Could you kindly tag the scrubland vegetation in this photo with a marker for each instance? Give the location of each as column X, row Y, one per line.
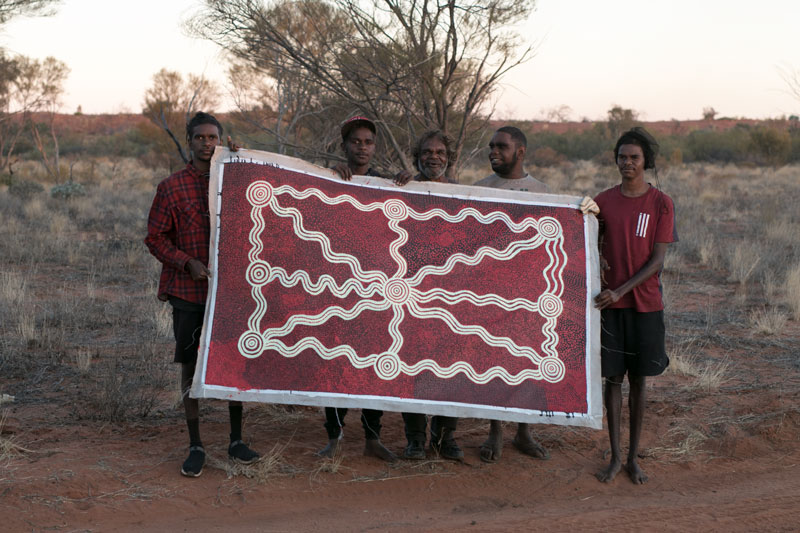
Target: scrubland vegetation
column 79, row 318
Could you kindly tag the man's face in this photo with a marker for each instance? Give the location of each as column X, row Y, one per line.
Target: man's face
column 630, row 161
column 359, row 147
column 504, row 154
column 204, row 138
column 433, row 159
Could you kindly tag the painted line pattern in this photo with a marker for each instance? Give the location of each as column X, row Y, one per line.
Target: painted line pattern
column 400, row 293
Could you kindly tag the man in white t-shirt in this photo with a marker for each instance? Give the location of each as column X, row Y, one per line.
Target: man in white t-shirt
column 506, row 155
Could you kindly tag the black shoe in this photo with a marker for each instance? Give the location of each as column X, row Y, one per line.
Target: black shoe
column 193, row 465
column 414, row 450
column 240, row 453
column 447, row 449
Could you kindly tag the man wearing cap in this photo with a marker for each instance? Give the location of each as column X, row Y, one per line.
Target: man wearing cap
column 507, row 150
column 358, row 145
column 637, row 221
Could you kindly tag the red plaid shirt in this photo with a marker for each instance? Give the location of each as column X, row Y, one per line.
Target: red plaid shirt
column 179, row 229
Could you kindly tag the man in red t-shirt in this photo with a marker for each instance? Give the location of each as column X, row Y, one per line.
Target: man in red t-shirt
column 637, row 221
column 178, row 233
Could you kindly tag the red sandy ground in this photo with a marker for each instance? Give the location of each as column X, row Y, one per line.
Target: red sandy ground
column 743, row 474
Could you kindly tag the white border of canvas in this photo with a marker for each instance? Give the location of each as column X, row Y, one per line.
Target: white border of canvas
column 592, row 418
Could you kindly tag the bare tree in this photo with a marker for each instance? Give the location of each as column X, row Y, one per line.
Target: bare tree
column 560, row 113
column 412, row 65
column 40, row 85
column 709, row 113
column 621, row 119
column 13, row 8
column 171, row 101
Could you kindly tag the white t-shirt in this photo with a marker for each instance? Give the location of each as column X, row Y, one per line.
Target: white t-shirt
column 526, row 183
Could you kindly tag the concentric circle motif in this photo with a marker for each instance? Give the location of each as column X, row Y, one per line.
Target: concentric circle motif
column 552, row 369
column 251, row 344
column 258, row 273
column 387, row 366
column 259, row 193
column 397, row 291
column 549, row 228
column 550, row 306
column 395, row 210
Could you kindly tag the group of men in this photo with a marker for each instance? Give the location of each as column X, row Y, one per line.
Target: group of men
column 636, row 223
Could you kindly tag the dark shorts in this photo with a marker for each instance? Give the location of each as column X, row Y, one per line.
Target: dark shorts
column 187, row 325
column 632, row 342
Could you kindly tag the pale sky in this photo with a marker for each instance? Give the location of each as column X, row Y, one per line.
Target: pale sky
column 663, row 59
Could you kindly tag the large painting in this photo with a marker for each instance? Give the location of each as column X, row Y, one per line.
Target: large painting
column 431, row 298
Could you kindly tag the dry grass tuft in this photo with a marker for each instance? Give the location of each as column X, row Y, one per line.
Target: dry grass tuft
column 706, row 375
column 328, row 465
column 271, row 465
column 793, row 291
column 9, row 449
column 742, row 263
column 688, row 444
column 768, row 321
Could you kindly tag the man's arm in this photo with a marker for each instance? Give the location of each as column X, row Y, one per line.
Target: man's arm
column 653, row 265
column 159, row 225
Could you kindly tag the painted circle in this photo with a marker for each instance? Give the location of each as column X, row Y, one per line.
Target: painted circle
column 549, row 228
column 552, row 369
column 259, row 193
column 550, row 306
column 397, row 291
column 395, row 209
column 251, row 344
column 258, row 273
column 387, row 366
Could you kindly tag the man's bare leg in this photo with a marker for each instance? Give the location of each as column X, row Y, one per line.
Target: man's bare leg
column 527, row 445
column 613, row 400
column 636, row 404
column 492, row 448
column 190, row 405
column 375, row 448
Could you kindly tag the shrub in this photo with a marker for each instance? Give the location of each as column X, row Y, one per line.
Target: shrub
column 24, row 188
column 70, row 189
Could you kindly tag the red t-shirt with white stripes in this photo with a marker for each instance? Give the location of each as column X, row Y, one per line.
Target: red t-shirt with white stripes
column 630, row 229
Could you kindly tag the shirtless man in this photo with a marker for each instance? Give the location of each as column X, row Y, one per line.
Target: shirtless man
column 507, row 150
column 637, row 221
column 358, row 145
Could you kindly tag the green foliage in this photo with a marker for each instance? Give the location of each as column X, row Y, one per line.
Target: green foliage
column 22, row 188
column 771, row 145
column 70, row 189
column 731, row 146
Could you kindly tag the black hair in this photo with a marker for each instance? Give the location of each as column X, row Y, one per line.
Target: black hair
column 641, row 138
column 516, row 134
column 201, row 118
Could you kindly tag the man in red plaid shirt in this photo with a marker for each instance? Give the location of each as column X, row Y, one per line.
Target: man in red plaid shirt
column 178, row 233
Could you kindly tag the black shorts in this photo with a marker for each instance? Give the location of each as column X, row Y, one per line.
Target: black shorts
column 187, row 325
column 632, row 342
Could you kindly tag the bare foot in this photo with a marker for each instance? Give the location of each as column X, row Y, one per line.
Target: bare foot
column 525, row 443
column 608, row 475
column 492, row 448
column 375, row 448
column 331, row 449
column 635, row 473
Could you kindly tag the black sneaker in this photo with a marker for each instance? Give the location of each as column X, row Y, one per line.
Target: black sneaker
column 414, row 450
column 447, row 449
column 240, row 453
column 193, row 465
